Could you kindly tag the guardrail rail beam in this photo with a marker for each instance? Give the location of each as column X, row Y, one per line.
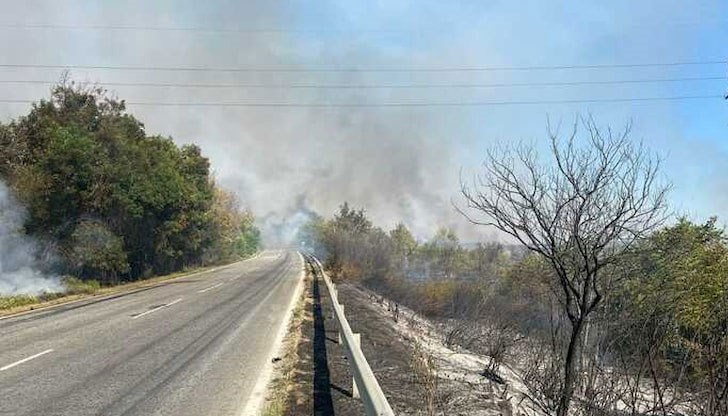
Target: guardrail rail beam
column 364, row 383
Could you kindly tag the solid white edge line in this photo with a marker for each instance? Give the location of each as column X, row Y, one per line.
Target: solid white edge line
column 24, row 360
column 209, row 288
column 156, row 309
column 257, row 396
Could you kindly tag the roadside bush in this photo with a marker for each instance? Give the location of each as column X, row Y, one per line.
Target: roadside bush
column 9, row 302
column 436, row 298
column 75, row 286
column 97, row 251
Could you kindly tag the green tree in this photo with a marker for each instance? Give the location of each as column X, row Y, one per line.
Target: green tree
column 445, row 249
column 403, row 240
column 248, row 240
column 673, row 314
column 79, row 156
column 403, row 243
column 311, row 235
column 96, row 251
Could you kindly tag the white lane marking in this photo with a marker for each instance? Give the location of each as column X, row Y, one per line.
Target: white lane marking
column 209, row 288
column 173, row 302
column 156, row 309
column 24, row 360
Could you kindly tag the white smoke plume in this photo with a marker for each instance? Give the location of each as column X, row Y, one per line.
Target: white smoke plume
column 19, row 254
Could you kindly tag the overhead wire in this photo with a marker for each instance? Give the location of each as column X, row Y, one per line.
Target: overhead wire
column 54, row 26
column 378, row 86
column 305, row 69
column 405, row 104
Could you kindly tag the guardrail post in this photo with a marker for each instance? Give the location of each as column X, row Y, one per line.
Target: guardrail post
column 341, row 339
column 354, row 387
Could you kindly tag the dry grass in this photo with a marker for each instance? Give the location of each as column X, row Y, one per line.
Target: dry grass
column 283, row 384
column 424, row 371
column 18, row 301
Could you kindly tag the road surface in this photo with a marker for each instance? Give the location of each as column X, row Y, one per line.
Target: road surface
column 193, row 346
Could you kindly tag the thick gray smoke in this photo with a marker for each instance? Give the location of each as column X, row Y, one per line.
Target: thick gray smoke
column 397, row 170
column 19, row 254
column 400, row 164
column 284, row 163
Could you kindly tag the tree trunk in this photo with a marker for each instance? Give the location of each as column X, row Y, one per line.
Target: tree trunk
column 571, row 367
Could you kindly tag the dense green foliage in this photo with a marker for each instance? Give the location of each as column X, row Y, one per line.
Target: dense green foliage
column 117, row 203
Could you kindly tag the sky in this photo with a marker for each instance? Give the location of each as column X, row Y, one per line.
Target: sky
column 399, row 163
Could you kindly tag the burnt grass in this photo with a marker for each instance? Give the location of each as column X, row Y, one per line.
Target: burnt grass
column 323, row 379
column 389, row 354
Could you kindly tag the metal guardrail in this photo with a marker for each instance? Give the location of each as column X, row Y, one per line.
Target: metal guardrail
column 365, row 385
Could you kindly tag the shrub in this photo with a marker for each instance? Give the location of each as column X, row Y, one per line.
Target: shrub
column 76, row 286
column 9, row 302
column 98, row 252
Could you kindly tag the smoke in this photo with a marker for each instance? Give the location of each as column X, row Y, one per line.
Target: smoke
column 283, row 229
column 390, row 167
column 399, row 164
column 19, row 254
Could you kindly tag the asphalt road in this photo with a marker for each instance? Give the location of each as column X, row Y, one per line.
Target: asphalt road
column 193, row 346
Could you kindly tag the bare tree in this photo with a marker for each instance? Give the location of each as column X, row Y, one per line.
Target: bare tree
column 580, row 211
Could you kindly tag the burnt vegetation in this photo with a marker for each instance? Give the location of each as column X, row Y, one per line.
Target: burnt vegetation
column 608, row 306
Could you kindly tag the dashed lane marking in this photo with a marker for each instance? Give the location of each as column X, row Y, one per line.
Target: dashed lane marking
column 25, row 360
column 156, row 309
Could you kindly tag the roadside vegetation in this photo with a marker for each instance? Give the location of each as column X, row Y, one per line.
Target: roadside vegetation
column 291, row 387
column 608, row 306
column 76, row 289
column 109, row 203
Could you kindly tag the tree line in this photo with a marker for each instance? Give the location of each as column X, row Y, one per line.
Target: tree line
column 610, row 307
column 112, row 202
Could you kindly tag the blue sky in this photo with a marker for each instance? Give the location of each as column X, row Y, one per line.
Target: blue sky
column 401, row 163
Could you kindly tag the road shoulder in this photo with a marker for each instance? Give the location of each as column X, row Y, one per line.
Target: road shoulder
column 288, row 389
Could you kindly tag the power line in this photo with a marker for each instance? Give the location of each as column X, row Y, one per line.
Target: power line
column 405, row 104
column 187, row 29
column 381, row 86
column 121, row 27
column 303, row 69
